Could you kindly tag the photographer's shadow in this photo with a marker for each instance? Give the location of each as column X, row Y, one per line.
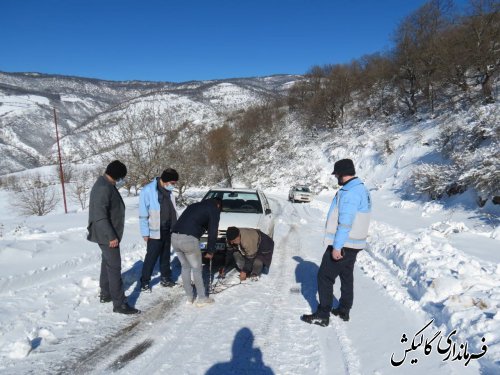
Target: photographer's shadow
column 245, row 359
column 306, row 274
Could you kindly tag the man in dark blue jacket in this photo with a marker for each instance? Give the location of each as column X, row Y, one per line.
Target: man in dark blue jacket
column 196, row 219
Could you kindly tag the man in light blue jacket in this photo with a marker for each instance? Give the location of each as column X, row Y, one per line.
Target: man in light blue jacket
column 157, row 216
column 346, row 232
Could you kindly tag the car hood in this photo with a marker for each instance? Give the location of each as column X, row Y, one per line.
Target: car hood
column 240, row 220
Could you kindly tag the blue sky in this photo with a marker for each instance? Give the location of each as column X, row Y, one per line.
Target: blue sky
column 164, row 40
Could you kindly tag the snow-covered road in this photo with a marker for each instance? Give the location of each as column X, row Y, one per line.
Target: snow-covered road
column 52, row 322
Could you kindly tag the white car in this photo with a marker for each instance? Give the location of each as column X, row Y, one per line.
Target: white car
column 242, row 208
column 300, row 193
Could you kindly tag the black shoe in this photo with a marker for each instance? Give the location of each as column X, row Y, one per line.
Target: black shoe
column 124, row 308
column 166, row 282
column 342, row 314
column 104, row 299
column 315, row 319
column 145, row 287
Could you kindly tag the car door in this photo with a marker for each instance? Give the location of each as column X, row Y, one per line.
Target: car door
column 267, row 216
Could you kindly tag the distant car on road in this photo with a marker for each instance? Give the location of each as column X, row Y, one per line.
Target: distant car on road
column 242, row 208
column 300, row 193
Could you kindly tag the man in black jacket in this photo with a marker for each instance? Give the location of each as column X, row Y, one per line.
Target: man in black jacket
column 106, row 224
column 196, row 219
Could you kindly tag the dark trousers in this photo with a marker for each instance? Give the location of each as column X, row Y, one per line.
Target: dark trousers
column 328, row 272
column 110, row 280
column 157, row 249
column 249, row 265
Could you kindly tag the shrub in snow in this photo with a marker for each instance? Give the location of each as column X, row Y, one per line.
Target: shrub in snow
column 473, row 148
column 432, row 179
column 11, row 182
column 68, row 172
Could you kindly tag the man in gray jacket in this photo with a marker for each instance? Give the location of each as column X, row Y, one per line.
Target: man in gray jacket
column 106, row 224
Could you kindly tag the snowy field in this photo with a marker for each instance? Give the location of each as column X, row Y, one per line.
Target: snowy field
column 427, row 296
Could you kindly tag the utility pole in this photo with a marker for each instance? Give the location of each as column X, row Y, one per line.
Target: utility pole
column 61, row 174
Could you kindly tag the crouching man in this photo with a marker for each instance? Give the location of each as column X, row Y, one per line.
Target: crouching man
column 251, row 250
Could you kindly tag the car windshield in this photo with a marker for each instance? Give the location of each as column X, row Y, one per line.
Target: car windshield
column 305, row 189
column 236, row 201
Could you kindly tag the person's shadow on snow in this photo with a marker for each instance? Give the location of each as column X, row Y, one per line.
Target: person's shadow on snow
column 306, row 274
column 133, row 275
column 246, row 359
column 129, row 277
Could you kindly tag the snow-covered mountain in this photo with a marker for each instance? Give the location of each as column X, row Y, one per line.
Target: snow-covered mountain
column 28, row 100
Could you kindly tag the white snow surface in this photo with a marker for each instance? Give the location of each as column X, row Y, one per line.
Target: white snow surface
column 21, row 104
column 412, row 272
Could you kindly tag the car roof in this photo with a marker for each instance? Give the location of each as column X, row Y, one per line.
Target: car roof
column 239, row 190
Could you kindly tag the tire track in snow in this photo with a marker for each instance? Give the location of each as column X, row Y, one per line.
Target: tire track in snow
column 351, row 361
column 324, row 343
column 287, row 244
column 112, row 348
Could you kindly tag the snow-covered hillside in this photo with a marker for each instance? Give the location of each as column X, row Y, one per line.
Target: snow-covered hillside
column 27, row 101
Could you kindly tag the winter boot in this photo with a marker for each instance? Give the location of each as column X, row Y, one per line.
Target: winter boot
column 342, row 314
column 125, row 308
column 254, row 277
column 200, row 302
column 315, row 319
column 166, row 282
column 104, row 299
column 145, row 287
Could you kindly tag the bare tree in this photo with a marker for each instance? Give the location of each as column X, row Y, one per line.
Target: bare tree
column 80, row 189
column 376, row 81
column 68, row 170
column 221, row 153
column 327, row 106
column 417, row 51
column 36, row 197
column 140, row 139
column 187, row 155
column 482, row 27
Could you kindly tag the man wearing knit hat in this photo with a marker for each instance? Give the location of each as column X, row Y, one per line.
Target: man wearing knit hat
column 106, row 224
column 346, row 232
column 157, row 217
